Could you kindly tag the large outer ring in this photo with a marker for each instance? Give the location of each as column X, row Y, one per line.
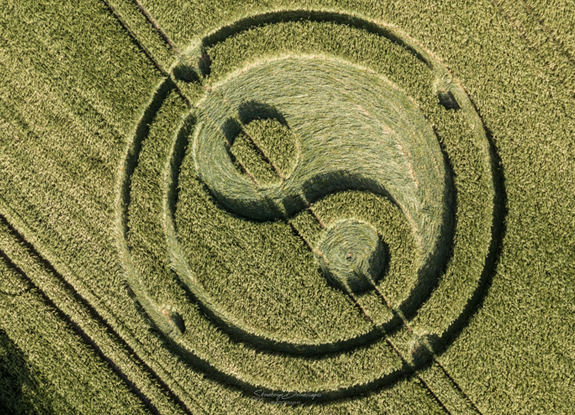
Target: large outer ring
column 154, row 311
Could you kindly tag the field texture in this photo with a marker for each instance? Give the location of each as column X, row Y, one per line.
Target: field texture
column 287, row 207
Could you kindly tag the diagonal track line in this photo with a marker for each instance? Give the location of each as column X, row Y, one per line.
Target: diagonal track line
column 248, row 135
column 134, row 38
column 265, row 156
column 535, row 16
column 143, row 48
column 229, row 145
column 522, row 33
column 71, row 323
column 80, row 332
column 400, row 355
column 154, row 23
column 435, row 397
column 435, row 360
column 297, row 232
column 387, row 340
column 113, row 335
column 456, row 385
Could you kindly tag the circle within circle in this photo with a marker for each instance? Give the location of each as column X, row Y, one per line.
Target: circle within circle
column 352, row 255
column 363, row 130
column 354, row 131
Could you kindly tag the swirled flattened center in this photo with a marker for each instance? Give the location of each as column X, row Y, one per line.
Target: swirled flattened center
column 351, row 255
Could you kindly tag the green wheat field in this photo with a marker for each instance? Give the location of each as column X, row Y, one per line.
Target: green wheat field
column 287, row 207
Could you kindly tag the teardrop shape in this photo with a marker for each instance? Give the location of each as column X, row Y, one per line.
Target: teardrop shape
column 355, row 130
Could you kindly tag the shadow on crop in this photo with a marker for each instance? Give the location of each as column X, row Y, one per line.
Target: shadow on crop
column 19, row 393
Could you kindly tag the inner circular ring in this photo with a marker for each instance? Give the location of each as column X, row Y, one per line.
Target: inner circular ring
column 385, row 132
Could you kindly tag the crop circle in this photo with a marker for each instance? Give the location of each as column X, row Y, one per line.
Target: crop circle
column 328, row 156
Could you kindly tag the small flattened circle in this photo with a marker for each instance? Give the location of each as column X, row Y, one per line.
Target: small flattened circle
column 352, row 255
